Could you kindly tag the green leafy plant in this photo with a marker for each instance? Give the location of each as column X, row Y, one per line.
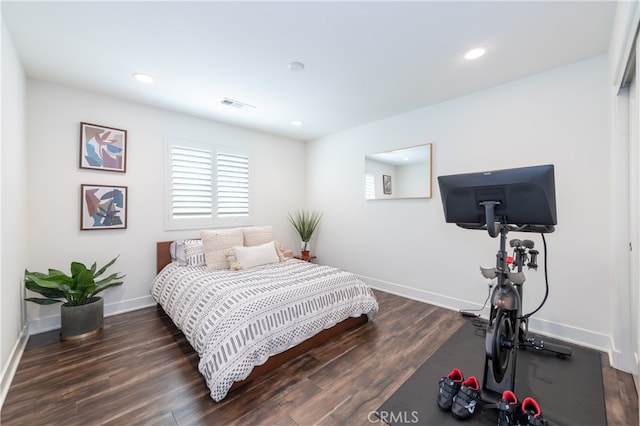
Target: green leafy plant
column 77, row 289
column 305, row 223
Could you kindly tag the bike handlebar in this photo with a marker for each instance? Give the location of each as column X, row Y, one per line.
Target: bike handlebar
column 538, row 229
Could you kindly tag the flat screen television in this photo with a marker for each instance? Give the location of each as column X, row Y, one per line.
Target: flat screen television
column 519, row 196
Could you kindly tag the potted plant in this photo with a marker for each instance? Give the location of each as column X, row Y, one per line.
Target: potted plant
column 305, row 223
column 81, row 312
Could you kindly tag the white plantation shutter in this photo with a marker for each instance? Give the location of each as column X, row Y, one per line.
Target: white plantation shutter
column 208, row 186
column 191, row 178
column 232, row 184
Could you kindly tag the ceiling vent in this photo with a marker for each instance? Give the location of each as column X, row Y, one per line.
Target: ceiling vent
column 236, row 104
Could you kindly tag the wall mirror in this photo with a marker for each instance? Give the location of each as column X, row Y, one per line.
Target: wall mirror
column 398, row 174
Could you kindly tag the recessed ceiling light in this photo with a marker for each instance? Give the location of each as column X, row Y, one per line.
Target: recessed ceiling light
column 474, row 53
column 297, row 123
column 143, row 78
column 296, row 66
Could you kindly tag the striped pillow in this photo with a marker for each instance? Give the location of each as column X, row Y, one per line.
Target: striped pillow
column 187, row 252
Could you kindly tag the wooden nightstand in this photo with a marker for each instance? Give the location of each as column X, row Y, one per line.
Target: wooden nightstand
column 308, row 260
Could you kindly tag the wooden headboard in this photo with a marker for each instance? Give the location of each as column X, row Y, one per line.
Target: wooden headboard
column 163, row 255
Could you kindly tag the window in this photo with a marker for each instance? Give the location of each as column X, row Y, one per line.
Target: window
column 191, row 195
column 369, row 187
column 208, row 186
column 232, row 185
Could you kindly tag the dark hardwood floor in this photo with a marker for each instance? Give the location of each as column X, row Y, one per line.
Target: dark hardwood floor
column 140, row 371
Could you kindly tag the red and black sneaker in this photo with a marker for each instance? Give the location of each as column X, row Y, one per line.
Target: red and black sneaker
column 508, row 406
column 448, row 388
column 531, row 413
column 466, row 400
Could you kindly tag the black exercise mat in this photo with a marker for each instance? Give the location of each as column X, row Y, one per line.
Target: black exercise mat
column 569, row 391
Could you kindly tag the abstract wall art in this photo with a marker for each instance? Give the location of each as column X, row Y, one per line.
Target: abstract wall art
column 103, row 207
column 103, row 148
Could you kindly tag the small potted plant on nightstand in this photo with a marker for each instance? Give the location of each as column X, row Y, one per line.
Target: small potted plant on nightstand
column 305, row 223
column 81, row 312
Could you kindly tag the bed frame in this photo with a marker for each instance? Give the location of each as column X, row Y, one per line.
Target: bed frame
column 164, row 258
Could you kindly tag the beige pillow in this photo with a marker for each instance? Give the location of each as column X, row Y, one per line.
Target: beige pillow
column 217, row 244
column 257, row 235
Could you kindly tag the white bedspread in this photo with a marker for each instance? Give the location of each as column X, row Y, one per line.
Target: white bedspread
column 235, row 320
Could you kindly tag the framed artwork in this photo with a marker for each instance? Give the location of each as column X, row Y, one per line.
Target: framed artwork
column 103, row 148
column 386, row 184
column 103, row 207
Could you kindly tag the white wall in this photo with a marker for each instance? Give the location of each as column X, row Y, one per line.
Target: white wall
column 54, row 116
column 13, row 222
column 404, row 246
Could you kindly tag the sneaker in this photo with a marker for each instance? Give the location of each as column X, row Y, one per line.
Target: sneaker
column 465, row 401
column 531, row 414
column 508, row 406
column 448, row 388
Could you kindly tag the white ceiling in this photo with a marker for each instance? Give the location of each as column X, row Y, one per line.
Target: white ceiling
column 364, row 61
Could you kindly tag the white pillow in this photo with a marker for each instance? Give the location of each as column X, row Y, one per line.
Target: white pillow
column 217, row 244
column 248, row 257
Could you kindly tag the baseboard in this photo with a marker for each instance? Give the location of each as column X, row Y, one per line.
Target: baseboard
column 419, row 295
column 569, row 334
column 128, row 305
column 12, row 364
column 40, row 325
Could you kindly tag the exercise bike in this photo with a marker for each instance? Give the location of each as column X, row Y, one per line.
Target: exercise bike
column 500, row 201
column 507, row 329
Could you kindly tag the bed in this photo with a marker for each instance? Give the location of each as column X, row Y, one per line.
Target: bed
column 245, row 322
